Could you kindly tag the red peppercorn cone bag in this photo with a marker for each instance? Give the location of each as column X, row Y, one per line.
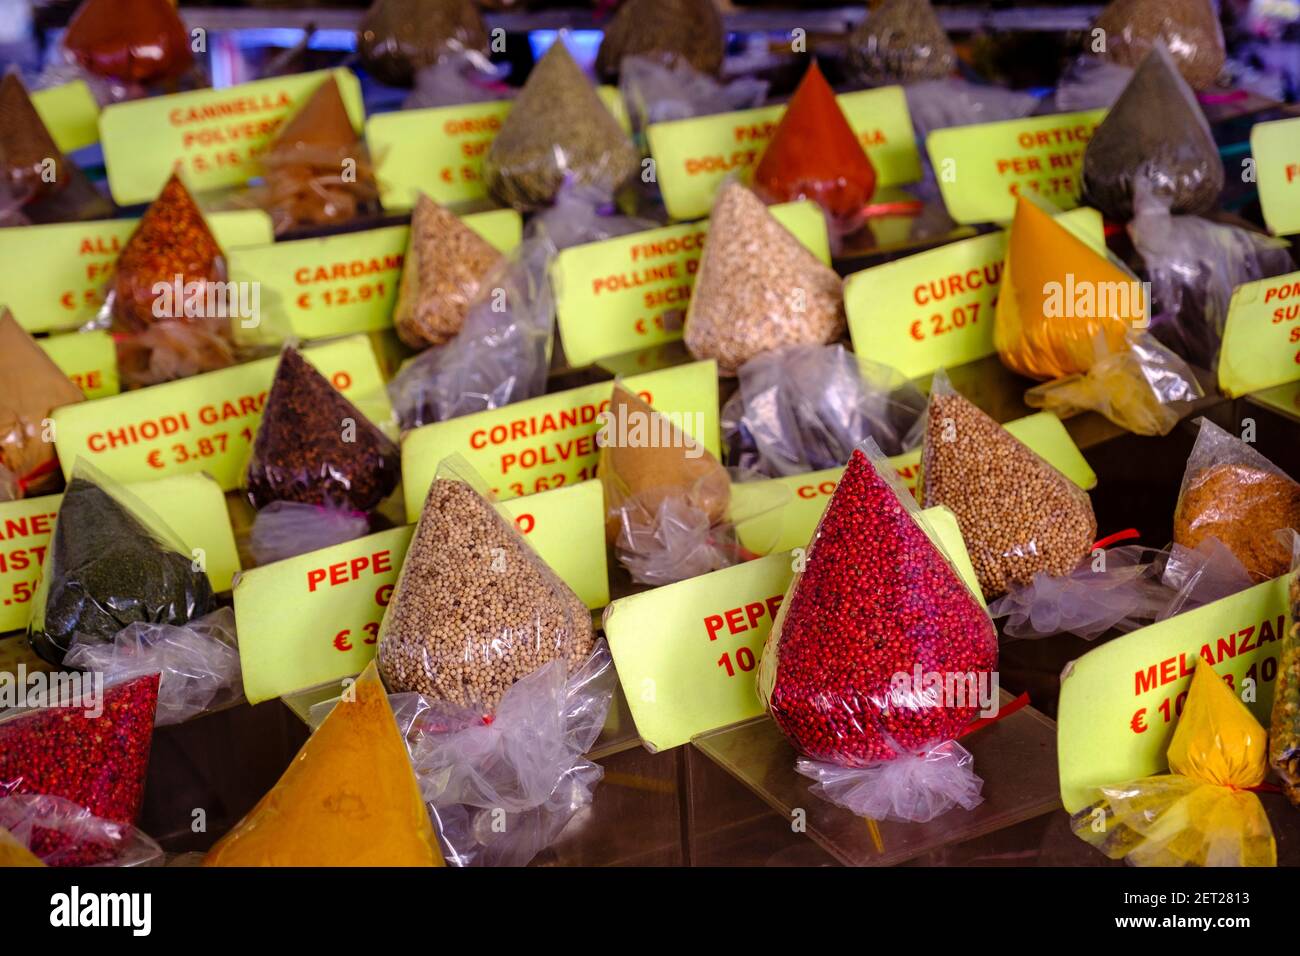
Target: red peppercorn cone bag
column 132, row 41
column 814, row 154
column 875, row 618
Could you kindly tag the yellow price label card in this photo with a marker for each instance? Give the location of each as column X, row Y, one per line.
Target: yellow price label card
column 76, row 262
column 792, row 524
column 566, row 527
column 206, row 422
column 1120, row 703
column 935, row 309
column 212, row 136
column 631, row 292
column 88, row 358
column 1261, row 339
column 193, row 506
column 550, row 441
column 983, row 168
column 71, row 114
column 1275, row 147
column 344, row 283
column 687, row 653
column 693, row 156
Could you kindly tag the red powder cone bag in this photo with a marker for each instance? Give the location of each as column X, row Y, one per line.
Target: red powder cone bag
column 815, row 155
column 135, row 41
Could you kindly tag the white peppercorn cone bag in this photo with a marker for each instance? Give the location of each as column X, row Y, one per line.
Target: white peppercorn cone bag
column 880, row 654
column 474, row 609
column 1018, row 514
column 758, row 288
column 500, row 792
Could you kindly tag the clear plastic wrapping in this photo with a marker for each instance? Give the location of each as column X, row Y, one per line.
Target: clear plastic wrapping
column 397, row 38
column 1284, row 727
column 657, row 92
column 668, row 31
column 901, row 41
column 61, row 833
column 457, row 78
column 283, row 529
column 1189, row 28
column 474, row 609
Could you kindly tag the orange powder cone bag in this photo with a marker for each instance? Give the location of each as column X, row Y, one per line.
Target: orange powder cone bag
column 350, row 797
column 815, row 155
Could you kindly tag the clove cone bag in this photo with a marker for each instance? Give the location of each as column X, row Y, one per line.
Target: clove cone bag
column 901, row 41
column 443, row 273
column 397, row 38
column 1018, row 515
column 1189, row 28
column 475, row 609
column 350, row 797
column 877, row 600
column 667, row 31
column 758, row 288
column 814, row 154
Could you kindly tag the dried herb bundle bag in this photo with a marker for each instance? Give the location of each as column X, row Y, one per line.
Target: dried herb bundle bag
column 758, row 288
column 475, row 609
column 397, row 38
column 1202, row 812
column 557, row 128
column 901, row 41
column 1018, row 514
column 814, row 154
column 111, row 563
column 132, row 41
column 1189, row 28
column 94, row 753
column 314, row 447
column 1157, row 132
column 31, row 386
column 877, row 599
column 1233, row 493
column 668, row 31
column 350, row 797
column 442, row 275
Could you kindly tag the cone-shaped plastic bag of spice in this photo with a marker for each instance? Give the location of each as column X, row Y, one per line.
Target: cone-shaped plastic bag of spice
column 1201, row 813
column 1189, row 28
column 399, row 37
column 1157, row 132
column 1284, row 729
column 350, row 797
column 758, row 288
column 814, row 154
column 1233, row 493
column 443, row 272
column 91, row 749
column 132, row 41
column 503, row 790
column 876, row 607
column 112, row 562
column 669, row 31
column 1018, row 514
column 475, row 609
column 806, row 407
column 31, row 386
column 197, row 663
column 557, row 128
column 66, row 834
column 901, row 41
column 47, row 186
column 318, row 171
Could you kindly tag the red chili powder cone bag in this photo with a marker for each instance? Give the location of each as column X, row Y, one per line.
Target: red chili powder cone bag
column 876, row 606
column 814, row 154
column 134, row 41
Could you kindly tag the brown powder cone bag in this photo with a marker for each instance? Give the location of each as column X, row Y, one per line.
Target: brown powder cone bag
column 646, row 460
column 1189, row 28
column 558, row 127
column 758, row 288
column 668, row 31
column 31, row 386
column 445, row 266
column 475, row 609
column 1156, row 130
column 350, row 797
column 1018, row 514
column 132, row 41
column 398, row 38
column 901, row 41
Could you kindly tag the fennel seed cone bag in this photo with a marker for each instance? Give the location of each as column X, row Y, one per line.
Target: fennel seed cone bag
column 558, row 128
column 350, row 797
column 667, row 31
column 758, row 288
column 1189, row 28
column 475, row 609
column 1018, row 515
column 442, row 275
